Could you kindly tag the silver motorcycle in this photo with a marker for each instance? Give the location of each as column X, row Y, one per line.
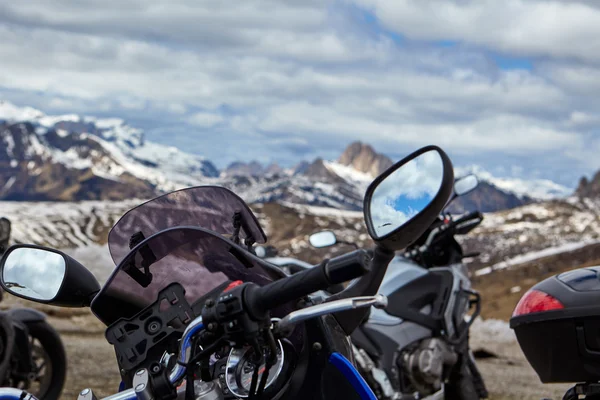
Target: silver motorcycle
column 418, row 346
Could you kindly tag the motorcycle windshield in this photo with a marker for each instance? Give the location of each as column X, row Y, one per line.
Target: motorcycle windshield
column 203, row 262
column 210, row 207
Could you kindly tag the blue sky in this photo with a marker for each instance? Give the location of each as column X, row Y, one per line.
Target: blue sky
column 512, row 86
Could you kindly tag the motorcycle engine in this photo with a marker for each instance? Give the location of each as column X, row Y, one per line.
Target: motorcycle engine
column 425, row 365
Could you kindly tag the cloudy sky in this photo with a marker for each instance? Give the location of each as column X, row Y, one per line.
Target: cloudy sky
column 512, row 85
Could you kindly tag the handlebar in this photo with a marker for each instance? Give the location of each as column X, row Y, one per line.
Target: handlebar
column 197, row 325
column 336, row 270
column 450, row 227
column 460, row 226
column 469, row 216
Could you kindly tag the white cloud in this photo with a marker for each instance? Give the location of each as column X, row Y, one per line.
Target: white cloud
column 524, row 27
column 205, row 119
column 297, row 74
column 176, row 108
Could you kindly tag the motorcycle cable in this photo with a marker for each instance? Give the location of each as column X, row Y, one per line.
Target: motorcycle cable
column 189, row 375
column 207, row 351
column 271, row 360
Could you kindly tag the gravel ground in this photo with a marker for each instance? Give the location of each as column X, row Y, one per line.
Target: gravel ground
column 507, row 374
column 91, row 360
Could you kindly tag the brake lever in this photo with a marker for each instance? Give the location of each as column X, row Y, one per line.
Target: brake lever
column 287, row 322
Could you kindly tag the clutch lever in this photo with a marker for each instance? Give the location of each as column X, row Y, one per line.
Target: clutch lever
column 293, row 318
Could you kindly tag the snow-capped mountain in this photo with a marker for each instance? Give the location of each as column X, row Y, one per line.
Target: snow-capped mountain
column 70, row 157
column 531, row 189
column 84, row 148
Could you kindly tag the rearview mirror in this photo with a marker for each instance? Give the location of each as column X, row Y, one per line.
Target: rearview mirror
column 265, row 251
column 465, row 184
column 403, row 201
column 47, row 276
column 322, row 239
column 260, row 251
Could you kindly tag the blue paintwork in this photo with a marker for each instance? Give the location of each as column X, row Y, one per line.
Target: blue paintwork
column 348, row 370
column 14, row 394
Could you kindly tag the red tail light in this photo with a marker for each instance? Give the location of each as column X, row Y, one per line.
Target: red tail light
column 535, row 301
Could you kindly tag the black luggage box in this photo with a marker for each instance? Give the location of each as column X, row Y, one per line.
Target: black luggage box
column 560, row 333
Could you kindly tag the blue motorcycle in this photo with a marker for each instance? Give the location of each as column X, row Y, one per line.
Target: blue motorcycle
column 193, row 314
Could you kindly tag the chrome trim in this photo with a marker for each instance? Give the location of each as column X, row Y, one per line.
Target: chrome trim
column 128, row 394
column 87, row 394
column 142, row 385
column 232, row 371
column 378, row 301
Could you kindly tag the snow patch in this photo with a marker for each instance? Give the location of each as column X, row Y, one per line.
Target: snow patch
column 348, row 173
column 10, row 112
column 324, row 211
column 49, row 121
column 534, row 255
column 537, row 189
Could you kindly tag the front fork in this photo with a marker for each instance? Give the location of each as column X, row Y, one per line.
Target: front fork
column 462, row 342
column 25, row 364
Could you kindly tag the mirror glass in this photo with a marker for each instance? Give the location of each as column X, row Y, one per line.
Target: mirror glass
column 465, row 184
column 322, row 239
column 405, row 192
column 260, row 251
column 33, row 273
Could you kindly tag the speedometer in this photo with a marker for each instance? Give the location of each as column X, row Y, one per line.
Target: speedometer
column 240, row 368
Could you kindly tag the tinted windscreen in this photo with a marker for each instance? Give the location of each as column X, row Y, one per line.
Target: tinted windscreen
column 201, row 261
column 210, row 207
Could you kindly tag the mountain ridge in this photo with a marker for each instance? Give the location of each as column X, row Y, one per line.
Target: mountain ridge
column 107, row 153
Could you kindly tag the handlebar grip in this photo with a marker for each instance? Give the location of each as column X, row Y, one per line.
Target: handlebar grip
column 337, row 270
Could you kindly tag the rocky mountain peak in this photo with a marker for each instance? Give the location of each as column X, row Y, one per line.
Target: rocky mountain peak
column 362, row 157
column 589, row 188
column 318, row 170
column 274, row 169
column 240, row 168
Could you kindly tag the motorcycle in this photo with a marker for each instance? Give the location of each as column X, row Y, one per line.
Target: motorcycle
column 417, row 348
column 193, row 314
column 556, row 323
column 32, row 356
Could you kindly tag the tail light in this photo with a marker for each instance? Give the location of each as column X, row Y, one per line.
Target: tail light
column 535, row 301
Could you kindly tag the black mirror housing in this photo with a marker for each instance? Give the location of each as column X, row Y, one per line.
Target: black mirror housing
column 410, row 231
column 79, row 285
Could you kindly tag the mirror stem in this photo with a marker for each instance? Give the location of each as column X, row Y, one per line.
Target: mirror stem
column 91, row 297
column 366, row 285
